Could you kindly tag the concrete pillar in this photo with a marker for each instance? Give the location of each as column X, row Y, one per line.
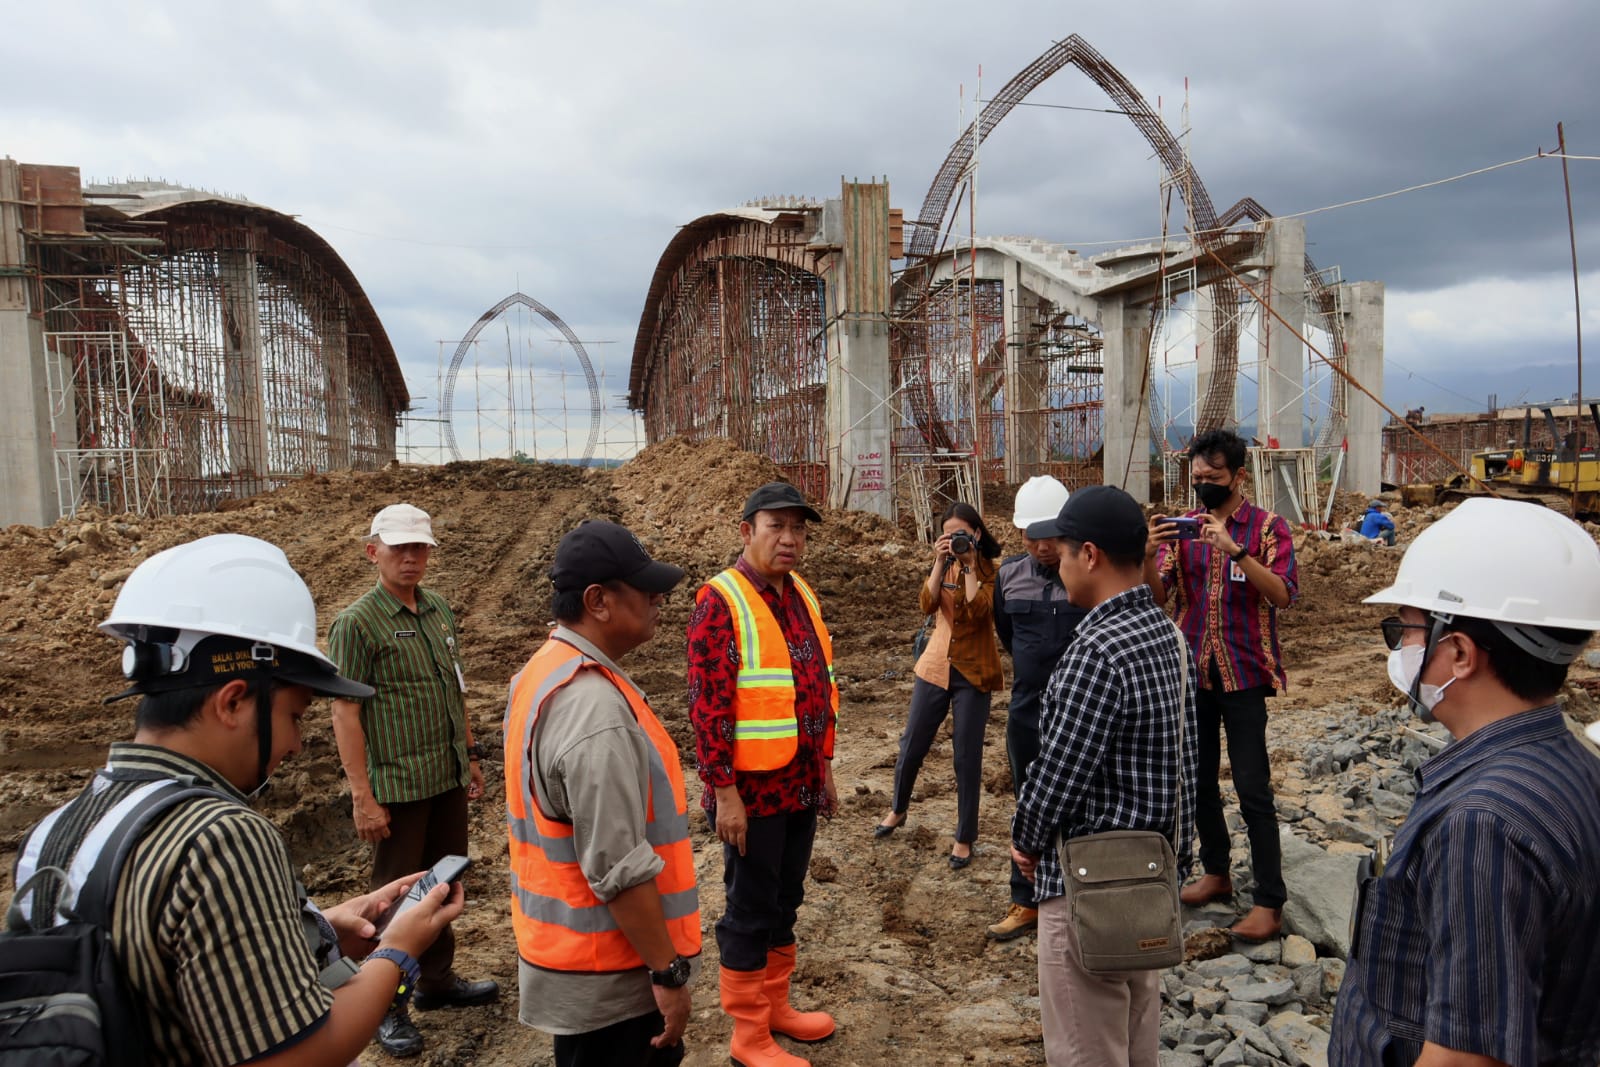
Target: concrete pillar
column 241, row 333
column 1280, row 400
column 27, row 457
column 1363, row 337
column 1125, row 332
column 857, row 417
column 1025, row 439
column 336, row 361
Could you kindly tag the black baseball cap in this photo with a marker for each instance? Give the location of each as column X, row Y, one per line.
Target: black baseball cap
column 598, row 551
column 1101, row 514
column 776, row 495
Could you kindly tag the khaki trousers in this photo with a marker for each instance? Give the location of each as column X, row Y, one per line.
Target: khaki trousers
column 1092, row 1020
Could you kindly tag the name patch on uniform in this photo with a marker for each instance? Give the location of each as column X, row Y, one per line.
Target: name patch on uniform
column 405, row 633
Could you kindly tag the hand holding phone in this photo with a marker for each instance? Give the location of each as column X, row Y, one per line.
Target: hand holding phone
column 449, row 869
column 1188, row 529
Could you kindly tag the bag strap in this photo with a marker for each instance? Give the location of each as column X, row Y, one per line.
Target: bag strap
column 94, row 900
column 1183, row 716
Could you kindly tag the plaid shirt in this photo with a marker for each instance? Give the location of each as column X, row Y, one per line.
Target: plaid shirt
column 1108, row 757
column 1480, row 934
column 1227, row 620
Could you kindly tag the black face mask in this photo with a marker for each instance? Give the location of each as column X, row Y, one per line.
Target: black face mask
column 1213, row 496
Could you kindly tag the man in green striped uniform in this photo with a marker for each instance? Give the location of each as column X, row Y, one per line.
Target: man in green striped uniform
column 408, row 750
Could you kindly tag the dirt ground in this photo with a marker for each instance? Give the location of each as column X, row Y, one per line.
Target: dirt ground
column 891, row 940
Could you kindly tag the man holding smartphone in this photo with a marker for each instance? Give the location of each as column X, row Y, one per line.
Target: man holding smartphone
column 1229, row 577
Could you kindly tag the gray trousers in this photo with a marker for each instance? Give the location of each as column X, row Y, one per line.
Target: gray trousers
column 929, row 706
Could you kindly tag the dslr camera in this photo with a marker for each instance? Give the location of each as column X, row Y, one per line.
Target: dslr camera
column 961, row 542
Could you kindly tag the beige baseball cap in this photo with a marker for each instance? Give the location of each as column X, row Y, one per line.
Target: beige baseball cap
column 402, row 524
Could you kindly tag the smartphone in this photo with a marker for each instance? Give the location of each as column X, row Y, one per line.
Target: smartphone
column 449, row 869
column 1188, row 529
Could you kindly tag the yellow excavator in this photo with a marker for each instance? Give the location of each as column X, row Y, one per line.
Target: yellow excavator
column 1564, row 477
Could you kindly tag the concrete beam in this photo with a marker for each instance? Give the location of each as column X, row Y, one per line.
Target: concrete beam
column 1125, row 331
column 247, row 416
column 1281, row 398
column 1363, row 335
column 28, row 491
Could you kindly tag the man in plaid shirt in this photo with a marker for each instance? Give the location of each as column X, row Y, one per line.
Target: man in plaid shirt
column 1109, row 759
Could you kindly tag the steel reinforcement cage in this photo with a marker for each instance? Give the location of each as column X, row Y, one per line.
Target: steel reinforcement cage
column 202, row 354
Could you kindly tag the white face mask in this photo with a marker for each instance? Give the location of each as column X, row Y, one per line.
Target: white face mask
column 1405, row 663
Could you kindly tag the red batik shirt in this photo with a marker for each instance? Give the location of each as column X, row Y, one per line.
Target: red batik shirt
column 713, row 668
column 1227, row 620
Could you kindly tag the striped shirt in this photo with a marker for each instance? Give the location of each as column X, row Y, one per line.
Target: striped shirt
column 1228, row 621
column 206, row 923
column 1108, row 755
column 1480, row 933
column 416, row 724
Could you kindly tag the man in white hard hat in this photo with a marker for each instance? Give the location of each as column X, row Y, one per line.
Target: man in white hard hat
column 226, row 959
column 407, row 750
column 1035, row 622
column 1475, row 944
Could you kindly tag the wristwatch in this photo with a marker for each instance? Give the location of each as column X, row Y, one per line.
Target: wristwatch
column 410, row 971
column 476, row 751
column 1241, row 554
column 674, row 976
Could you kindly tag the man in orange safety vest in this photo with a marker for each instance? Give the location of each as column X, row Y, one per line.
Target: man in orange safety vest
column 603, row 895
column 764, row 704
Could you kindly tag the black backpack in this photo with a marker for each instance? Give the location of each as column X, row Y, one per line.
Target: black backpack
column 63, row 999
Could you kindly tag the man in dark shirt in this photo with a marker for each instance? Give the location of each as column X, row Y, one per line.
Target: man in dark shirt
column 1035, row 622
column 1475, row 944
column 763, row 703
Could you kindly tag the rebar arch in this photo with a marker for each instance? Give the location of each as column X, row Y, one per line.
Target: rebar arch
column 447, row 402
column 1075, row 51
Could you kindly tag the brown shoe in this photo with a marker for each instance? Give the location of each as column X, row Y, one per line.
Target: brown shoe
column 1259, row 924
column 1210, row 887
column 1018, row 921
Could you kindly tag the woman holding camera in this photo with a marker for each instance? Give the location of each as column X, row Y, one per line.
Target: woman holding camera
column 959, row 668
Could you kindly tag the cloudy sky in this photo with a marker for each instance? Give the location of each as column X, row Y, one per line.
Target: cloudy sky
column 455, row 153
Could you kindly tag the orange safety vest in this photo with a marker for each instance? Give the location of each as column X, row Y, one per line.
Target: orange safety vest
column 559, row 922
column 766, row 734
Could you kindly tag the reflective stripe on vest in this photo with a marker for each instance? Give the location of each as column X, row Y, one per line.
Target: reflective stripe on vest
column 766, row 733
column 560, row 923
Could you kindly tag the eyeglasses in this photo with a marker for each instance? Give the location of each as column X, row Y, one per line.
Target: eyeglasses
column 1394, row 629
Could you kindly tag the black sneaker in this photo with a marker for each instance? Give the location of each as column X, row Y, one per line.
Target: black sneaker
column 456, row 993
column 398, row 1036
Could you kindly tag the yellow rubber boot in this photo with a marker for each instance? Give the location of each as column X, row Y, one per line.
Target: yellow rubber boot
column 800, row 1025
column 746, row 1004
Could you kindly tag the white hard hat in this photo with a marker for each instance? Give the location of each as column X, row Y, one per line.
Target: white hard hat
column 1509, row 562
column 227, row 585
column 1039, row 499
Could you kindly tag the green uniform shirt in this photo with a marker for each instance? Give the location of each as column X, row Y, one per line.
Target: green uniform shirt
column 416, row 724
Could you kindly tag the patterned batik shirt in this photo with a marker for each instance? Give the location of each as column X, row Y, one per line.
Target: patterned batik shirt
column 713, row 670
column 1230, row 624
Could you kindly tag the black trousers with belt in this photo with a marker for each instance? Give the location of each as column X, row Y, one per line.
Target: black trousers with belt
column 421, row 833
column 929, row 706
column 1243, row 715
column 764, row 888
column 1022, row 748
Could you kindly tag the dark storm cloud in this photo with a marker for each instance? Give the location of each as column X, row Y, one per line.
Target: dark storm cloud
column 452, row 155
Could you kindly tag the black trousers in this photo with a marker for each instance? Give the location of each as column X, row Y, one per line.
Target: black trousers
column 1243, row 715
column 929, row 706
column 421, row 833
column 764, row 888
column 624, row 1044
column 1022, row 748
